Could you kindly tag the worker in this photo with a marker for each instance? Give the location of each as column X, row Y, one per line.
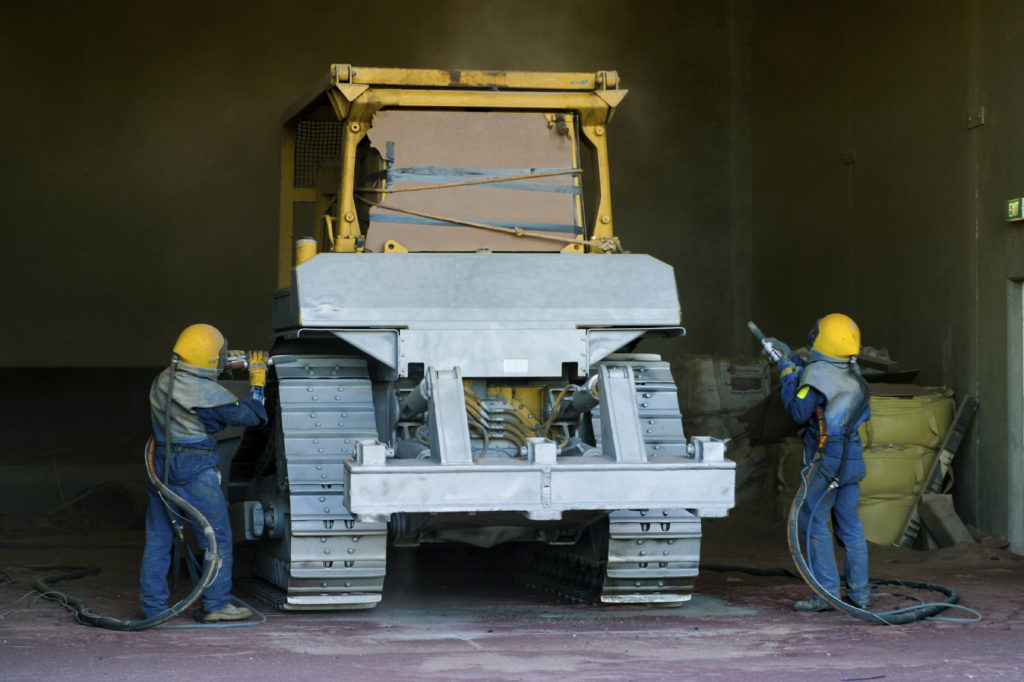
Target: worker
column 828, row 394
column 199, row 408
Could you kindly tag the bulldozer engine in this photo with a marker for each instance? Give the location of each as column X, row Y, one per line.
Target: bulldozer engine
column 454, row 352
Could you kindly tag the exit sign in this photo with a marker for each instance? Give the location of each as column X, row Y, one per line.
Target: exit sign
column 1013, row 210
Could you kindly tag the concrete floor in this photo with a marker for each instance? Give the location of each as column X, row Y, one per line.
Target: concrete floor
column 444, row 617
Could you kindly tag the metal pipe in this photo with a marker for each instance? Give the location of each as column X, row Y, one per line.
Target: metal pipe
column 587, row 397
column 415, row 401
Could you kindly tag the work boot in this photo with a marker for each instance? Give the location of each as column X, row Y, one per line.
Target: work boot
column 228, row 612
column 811, row 605
column 863, row 604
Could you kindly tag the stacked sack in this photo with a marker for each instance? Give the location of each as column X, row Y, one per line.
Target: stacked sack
column 714, row 392
column 782, row 477
column 907, row 426
column 900, row 441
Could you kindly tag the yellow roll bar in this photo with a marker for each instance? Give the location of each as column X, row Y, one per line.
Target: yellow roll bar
column 354, row 94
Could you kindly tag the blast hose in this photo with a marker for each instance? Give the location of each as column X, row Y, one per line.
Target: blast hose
column 211, row 559
column 898, row 617
column 211, row 565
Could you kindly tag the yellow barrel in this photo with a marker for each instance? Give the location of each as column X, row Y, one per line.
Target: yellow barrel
column 305, row 248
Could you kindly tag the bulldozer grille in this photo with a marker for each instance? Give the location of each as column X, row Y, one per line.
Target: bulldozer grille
column 316, row 142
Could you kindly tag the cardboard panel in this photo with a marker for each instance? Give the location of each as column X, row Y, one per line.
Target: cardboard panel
column 425, row 148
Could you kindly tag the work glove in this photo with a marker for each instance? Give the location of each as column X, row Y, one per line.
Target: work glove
column 783, row 362
column 258, row 367
column 780, row 346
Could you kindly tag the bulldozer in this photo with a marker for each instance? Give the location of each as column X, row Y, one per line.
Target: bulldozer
column 455, row 348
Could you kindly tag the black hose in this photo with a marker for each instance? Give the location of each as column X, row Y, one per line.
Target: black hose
column 793, row 536
column 43, row 584
column 211, row 565
column 899, row 617
column 211, row 559
column 879, row 582
column 888, row 617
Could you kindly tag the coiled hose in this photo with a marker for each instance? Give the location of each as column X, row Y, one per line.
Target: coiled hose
column 898, row 617
column 211, row 565
column 211, row 559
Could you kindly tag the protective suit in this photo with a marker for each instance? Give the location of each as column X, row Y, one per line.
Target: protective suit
column 828, row 394
column 199, row 408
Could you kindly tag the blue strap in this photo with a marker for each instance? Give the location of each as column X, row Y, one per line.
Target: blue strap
column 417, row 220
column 441, row 175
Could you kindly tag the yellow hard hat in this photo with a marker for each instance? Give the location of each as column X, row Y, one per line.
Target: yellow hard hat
column 201, row 345
column 836, row 335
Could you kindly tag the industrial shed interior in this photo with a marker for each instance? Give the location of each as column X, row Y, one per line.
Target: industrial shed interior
column 787, row 159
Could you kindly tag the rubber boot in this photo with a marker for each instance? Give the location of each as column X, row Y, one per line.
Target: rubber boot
column 228, row 612
column 811, row 605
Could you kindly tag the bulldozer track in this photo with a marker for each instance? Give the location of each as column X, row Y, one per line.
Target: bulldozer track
column 636, row 556
column 323, row 558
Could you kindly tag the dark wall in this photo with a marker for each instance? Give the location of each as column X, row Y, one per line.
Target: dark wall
column 83, row 416
column 139, row 158
column 139, row 150
column 789, row 158
column 875, row 195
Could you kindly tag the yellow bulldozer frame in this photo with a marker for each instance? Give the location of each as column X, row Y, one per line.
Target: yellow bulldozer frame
column 352, row 95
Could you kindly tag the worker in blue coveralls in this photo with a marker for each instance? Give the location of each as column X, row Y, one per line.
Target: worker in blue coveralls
column 828, row 394
column 199, row 408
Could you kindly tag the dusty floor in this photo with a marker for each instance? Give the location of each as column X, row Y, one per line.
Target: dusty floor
column 448, row 619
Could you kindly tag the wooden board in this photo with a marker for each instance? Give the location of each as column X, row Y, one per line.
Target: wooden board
column 940, row 467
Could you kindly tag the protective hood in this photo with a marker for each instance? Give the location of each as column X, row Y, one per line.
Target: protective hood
column 839, row 381
column 194, row 387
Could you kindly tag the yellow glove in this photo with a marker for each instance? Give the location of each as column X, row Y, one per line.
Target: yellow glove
column 258, row 368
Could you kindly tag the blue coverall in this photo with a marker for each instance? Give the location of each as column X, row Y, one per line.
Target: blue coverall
column 193, row 476
column 820, row 504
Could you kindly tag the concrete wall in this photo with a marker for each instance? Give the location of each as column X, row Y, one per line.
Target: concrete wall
column 874, row 195
column 140, row 150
